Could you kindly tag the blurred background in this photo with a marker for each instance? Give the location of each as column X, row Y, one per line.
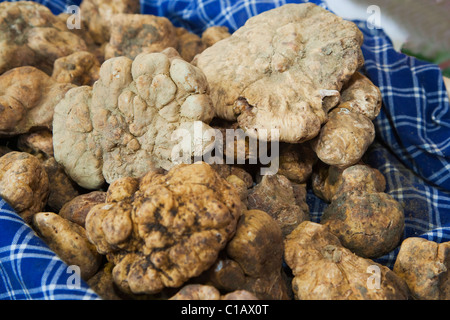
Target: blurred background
column 420, row 28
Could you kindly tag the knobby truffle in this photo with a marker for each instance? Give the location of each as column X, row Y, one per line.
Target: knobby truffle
column 164, row 229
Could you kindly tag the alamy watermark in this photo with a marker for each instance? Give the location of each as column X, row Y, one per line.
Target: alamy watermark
column 374, row 20
column 74, row 20
column 74, row 280
column 208, row 145
column 374, row 280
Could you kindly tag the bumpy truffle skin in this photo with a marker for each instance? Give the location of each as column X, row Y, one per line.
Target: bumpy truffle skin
column 214, row 34
column 31, row 35
column 257, row 247
column 360, row 95
column 23, row 183
column 38, row 143
column 68, row 240
column 133, row 34
column 132, row 119
column 329, row 182
column 425, row 266
column 97, row 15
column 189, row 44
column 296, row 162
column 370, row 224
column 61, row 188
column 103, row 283
column 77, row 208
column 345, row 138
column 28, row 97
column 275, row 195
column 277, row 70
column 324, row 270
column 171, row 229
column 80, row 68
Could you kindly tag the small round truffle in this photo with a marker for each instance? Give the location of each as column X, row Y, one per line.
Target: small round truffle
column 370, row 224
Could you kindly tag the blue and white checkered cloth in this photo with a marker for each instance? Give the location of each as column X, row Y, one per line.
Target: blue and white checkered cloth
column 412, row 148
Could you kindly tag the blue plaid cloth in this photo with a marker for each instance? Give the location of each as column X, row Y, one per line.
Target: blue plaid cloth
column 412, row 148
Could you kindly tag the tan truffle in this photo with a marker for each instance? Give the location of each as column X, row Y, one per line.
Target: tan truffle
column 361, row 96
column 68, row 240
column 38, row 143
column 27, row 100
column 275, row 195
column 207, row 292
column 97, row 15
column 324, row 270
column 77, row 208
column 61, row 188
column 345, row 138
column 257, row 247
column 139, row 115
column 170, row 230
column 296, row 162
column 370, row 224
column 214, row 34
column 189, row 44
column 102, row 283
column 330, row 182
column 30, row 35
column 197, row 292
column 283, row 70
column 133, row 34
column 23, row 183
column 425, row 266
column 80, row 68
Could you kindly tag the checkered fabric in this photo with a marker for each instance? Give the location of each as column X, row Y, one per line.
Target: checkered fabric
column 412, row 148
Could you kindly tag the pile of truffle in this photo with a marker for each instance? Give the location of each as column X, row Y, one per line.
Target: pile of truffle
column 87, row 123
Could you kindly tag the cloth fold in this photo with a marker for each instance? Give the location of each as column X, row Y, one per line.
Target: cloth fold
column 412, row 148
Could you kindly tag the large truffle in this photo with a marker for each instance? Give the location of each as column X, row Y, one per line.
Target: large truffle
column 324, row 270
column 28, row 97
column 425, row 266
column 166, row 228
column 283, row 70
column 140, row 114
column 371, row 224
column 31, row 35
